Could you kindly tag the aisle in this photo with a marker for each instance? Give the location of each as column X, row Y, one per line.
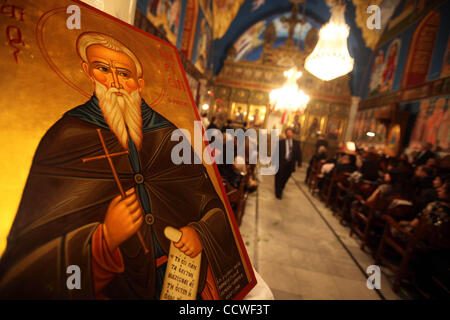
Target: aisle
column 296, row 253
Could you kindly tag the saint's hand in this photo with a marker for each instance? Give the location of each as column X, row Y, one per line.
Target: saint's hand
column 189, row 243
column 123, row 219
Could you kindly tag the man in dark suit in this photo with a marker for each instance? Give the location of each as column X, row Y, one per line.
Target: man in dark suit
column 289, row 154
column 422, row 157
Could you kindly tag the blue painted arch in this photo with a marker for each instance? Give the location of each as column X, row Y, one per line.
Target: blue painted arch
column 316, row 11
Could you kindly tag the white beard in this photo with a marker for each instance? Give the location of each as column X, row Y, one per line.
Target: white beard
column 122, row 113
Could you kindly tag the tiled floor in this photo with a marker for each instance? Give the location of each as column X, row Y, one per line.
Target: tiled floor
column 294, row 250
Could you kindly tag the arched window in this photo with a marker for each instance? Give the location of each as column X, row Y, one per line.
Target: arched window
column 421, row 50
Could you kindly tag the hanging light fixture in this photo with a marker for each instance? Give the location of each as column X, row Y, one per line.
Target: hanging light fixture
column 330, row 58
column 289, row 97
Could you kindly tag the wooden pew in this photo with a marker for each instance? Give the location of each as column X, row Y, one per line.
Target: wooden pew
column 314, row 176
column 238, row 196
column 405, row 248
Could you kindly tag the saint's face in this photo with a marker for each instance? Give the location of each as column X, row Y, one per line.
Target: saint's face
column 112, row 69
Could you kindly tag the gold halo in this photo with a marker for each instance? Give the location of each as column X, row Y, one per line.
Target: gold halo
column 65, row 62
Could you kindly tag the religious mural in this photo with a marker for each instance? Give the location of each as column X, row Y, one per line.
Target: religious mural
column 239, row 112
column 189, row 28
column 296, row 124
column 421, row 97
column 421, row 50
column 366, row 123
column 206, row 6
column 166, row 15
column 446, row 62
column 257, row 114
column 193, row 85
column 224, row 11
column 407, row 13
column 249, row 44
column 88, row 180
column 334, row 128
column 387, row 7
column 383, row 68
column 313, row 127
column 431, row 124
column 393, row 142
column 202, row 44
column 249, row 40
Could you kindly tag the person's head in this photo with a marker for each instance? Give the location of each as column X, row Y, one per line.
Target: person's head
column 229, row 122
column 431, row 162
column 214, row 119
column 441, row 177
column 419, row 172
column 204, row 115
column 322, row 150
column 289, row 133
column 429, row 172
column 116, row 74
column 394, row 176
column 109, row 62
column 423, row 172
column 427, row 146
column 345, row 159
column 444, row 191
column 437, row 182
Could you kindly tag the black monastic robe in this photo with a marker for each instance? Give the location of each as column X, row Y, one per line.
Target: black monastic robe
column 65, row 200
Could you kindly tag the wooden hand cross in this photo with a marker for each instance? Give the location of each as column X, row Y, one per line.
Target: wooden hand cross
column 109, row 156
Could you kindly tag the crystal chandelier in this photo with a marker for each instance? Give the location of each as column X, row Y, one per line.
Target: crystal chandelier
column 330, row 58
column 289, row 97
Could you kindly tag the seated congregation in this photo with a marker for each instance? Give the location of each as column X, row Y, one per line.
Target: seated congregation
column 399, row 208
column 238, row 178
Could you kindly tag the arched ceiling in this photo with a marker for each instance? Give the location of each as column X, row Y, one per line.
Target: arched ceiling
column 249, row 45
column 254, row 12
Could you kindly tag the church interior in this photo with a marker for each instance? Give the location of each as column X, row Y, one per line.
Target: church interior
column 364, row 87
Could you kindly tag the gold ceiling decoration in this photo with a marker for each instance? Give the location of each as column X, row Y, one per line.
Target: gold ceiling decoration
column 288, row 54
column 370, row 37
column 224, row 12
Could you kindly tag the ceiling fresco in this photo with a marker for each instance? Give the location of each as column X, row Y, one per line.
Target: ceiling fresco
column 249, row 44
column 253, row 16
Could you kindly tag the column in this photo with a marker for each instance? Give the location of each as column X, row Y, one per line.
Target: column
column 351, row 118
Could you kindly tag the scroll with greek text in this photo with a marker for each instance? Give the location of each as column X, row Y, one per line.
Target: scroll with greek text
column 182, row 273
